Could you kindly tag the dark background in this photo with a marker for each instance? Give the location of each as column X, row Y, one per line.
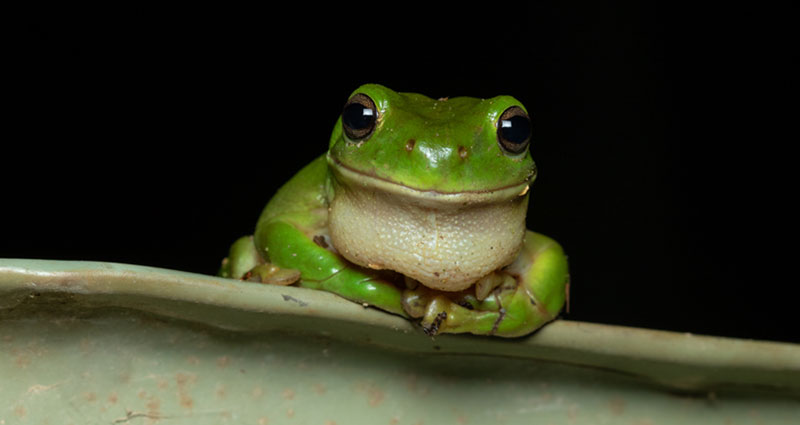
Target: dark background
column 156, row 137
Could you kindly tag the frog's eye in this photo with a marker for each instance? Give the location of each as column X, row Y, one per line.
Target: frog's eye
column 359, row 117
column 514, row 130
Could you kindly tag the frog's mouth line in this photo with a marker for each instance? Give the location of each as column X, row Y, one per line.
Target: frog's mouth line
column 352, row 176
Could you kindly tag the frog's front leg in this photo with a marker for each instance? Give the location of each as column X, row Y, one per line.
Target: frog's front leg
column 288, row 247
column 511, row 302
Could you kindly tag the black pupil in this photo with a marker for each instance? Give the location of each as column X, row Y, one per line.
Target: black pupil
column 516, row 129
column 358, row 116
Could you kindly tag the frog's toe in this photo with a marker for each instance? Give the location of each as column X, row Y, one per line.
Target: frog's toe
column 272, row 275
column 432, row 326
column 443, row 315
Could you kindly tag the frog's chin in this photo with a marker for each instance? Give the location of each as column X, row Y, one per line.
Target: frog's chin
column 446, row 241
column 426, row 197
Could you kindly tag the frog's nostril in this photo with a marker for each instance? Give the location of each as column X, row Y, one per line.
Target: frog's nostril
column 410, row 144
column 463, row 152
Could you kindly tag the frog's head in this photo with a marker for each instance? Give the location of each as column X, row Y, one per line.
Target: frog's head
column 453, row 145
column 434, row 189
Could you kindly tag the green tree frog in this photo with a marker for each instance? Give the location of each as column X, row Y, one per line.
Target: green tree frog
column 418, row 208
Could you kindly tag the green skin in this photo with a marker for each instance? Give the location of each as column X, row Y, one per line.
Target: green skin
column 290, row 243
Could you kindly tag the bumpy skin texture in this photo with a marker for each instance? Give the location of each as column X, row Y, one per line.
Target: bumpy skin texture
column 423, row 218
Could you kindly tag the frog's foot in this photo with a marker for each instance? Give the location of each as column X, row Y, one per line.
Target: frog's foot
column 506, row 310
column 483, row 312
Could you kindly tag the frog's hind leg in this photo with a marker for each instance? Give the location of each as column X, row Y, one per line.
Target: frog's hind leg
column 242, row 257
column 244, row 262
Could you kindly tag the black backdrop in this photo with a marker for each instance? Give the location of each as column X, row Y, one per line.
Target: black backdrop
column 156, row 137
